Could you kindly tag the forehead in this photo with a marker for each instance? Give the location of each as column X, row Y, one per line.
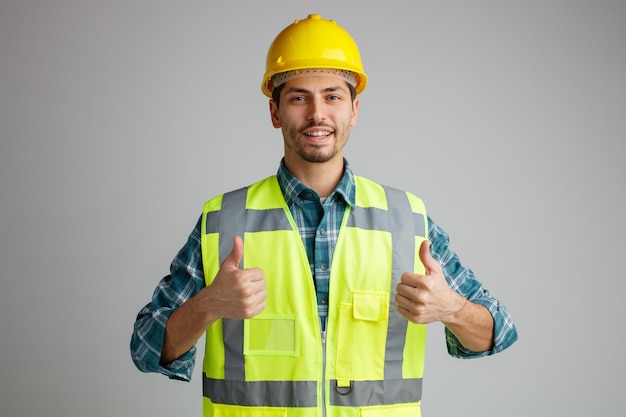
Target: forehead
column 315, row 84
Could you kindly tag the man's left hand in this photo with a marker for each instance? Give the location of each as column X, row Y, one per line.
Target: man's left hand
column 427, row 298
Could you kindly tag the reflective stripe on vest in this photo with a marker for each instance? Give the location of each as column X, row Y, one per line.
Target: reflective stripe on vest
column 395, row 221
column 234, row 218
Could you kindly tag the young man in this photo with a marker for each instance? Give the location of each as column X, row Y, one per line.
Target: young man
column 313, row 287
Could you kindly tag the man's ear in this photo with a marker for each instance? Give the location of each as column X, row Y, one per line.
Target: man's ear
column 274, row 114
column 355, row 112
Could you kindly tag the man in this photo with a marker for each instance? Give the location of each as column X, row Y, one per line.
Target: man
column 313, row 286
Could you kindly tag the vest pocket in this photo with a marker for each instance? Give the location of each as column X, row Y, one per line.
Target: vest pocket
column 271, row 335
column 370, row 305
column 362, row 336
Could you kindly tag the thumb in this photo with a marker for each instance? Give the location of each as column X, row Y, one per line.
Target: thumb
column 428, row 261
column 234, row 257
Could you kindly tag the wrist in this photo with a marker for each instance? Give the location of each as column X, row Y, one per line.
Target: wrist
column 457, row 311
column 199, row 314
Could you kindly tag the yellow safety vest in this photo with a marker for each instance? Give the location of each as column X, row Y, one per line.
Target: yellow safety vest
column 276, row 364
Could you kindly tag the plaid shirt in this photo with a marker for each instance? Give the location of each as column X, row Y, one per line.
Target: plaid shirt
column 318, row 224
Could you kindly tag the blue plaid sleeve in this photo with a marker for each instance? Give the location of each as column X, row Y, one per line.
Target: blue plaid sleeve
column 186, row 279
column 462, row 280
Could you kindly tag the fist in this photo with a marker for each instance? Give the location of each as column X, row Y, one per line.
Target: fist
column 426, row 298
column 234, row 293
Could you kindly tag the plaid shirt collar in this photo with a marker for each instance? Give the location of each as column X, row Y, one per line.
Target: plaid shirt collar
column 293, row 189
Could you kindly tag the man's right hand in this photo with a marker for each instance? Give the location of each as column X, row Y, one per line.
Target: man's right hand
column 234, row 293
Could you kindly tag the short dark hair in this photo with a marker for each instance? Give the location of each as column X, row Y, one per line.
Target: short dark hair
column 276, row 93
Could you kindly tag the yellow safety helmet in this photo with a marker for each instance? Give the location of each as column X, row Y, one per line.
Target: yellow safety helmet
column 313, row 43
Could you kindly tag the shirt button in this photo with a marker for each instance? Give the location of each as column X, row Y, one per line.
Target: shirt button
column 322, row 232
column 324, row 300
column 309, row 196
column 323, row 266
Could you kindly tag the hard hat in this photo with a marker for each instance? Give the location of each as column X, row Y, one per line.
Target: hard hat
column 313, row 42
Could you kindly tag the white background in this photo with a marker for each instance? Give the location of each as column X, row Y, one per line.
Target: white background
column 118, row 119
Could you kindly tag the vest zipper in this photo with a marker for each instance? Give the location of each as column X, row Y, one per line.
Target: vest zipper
column 324, row 369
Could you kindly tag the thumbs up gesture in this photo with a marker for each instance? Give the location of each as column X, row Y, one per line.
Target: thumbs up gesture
column 427, row 298
column 234, row 293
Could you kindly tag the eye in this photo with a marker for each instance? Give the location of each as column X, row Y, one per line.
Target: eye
column 334, row 97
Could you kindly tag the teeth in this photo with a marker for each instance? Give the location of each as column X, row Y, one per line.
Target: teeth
column 318, row 134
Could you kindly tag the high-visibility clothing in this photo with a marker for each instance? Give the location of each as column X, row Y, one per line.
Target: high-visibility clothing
column 277, row 363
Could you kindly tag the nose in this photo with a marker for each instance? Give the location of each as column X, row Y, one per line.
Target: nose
column 316, row 110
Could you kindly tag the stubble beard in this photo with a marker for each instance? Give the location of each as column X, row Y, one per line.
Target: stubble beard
column 311, row 153
column 315, row 155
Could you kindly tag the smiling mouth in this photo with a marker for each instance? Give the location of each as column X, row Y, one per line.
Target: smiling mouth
column 318, row 134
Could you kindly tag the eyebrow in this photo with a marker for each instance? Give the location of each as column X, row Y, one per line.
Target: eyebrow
column 325, row 90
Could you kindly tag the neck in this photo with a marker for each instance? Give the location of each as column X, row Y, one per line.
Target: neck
column 322, row 177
